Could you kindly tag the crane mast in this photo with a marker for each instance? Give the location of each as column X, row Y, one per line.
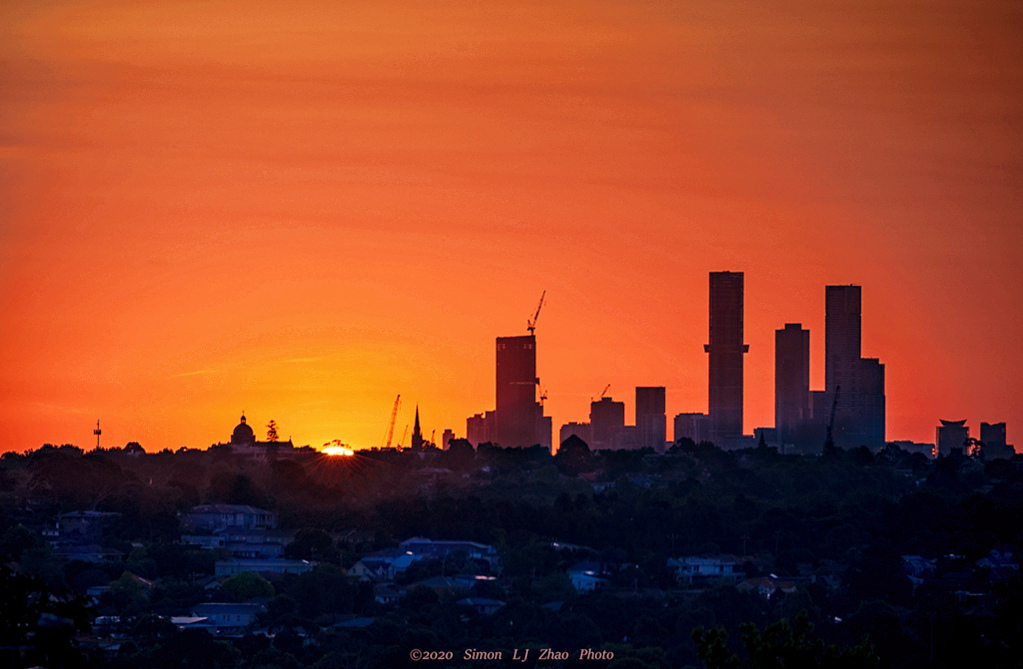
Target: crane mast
column 531, row 323
column 394, row 415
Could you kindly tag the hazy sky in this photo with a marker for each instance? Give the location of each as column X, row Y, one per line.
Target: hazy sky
column 302, row 209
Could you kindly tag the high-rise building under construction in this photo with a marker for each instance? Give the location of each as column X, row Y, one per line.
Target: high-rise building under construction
column 518, row 418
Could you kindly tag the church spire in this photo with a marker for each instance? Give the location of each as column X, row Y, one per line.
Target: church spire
column 417, row 434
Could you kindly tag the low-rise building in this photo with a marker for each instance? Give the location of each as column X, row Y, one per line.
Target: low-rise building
column 383, row 565
column 766, row 586
column 225, row 617
column 243, row 543
column 482, row 605
column 688, row 569
column 586, row 576
column 210, row 518
column 262, row 566
column 428, row 548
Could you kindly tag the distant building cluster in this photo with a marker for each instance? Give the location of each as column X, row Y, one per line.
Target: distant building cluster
column 954, row 435
column 606, row 428
column 848, row 412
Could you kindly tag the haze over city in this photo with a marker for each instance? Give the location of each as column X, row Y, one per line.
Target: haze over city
column 300, row 210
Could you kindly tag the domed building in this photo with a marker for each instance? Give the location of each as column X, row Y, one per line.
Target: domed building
column 243, row 442
column 243, row 434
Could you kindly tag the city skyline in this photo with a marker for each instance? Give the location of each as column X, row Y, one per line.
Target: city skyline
column 303, row 210
column 523, row 421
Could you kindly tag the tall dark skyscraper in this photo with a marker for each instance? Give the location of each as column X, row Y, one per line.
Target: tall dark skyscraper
column 726, row 350
column 842, row 346
column 519, row 419
column 872, row 403
column 859, row 382
column 651, row 421
column 791, row 381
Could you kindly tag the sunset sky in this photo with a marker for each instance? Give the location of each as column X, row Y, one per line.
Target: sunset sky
column 300, row 209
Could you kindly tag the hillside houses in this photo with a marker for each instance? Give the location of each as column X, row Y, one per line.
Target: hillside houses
column 390, row 563
column 697, row 568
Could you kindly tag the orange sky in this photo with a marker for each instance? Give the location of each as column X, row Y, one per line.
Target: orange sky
column 301, row 209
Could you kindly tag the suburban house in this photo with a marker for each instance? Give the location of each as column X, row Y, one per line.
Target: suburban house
column 220, row 617
column 688, row 569
column 262, row 566
column 243, row 543
column 585, row 576
column 382, row 565
column 766, row 586
column 210, row 518
column 427, row 548
column 483, row 606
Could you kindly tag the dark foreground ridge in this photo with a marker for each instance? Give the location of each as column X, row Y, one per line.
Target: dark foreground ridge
column 495, row 557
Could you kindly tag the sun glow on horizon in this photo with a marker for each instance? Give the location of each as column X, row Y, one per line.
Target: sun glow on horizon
column 337, row 450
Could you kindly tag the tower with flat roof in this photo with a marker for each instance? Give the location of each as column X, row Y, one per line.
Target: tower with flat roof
column 607, row 423
column 951, row 434
column 842, row 345
column 791, row 381
column 858, row 382
column 651, row 421
column 725, row 349
column 518, row 417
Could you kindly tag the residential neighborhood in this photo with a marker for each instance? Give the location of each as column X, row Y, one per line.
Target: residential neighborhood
column 285, row 563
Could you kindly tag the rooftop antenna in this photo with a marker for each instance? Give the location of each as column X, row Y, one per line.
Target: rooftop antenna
column 531, row 323
column 97, row 432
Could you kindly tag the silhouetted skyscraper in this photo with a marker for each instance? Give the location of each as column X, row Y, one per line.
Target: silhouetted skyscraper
column 872, row 403
column 992, row 433
column 695, row 426
column 479, row 429
column 651, row 421
column 994, row 437
column 842, row 344
column 519, row 419
column 726, row 350
column 607, row 422
column 949, row 435
column 860, row 410
column 791, row 381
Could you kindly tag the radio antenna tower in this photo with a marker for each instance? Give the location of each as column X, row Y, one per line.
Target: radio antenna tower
column 97, row 432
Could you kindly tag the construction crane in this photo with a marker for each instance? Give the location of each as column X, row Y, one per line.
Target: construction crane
column 603, row 392
column 531, row 323
column 404, row 434
column 394, row 414
column 829, row 440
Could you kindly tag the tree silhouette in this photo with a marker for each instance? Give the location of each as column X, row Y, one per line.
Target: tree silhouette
column 271, row 431
column 780, row 646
